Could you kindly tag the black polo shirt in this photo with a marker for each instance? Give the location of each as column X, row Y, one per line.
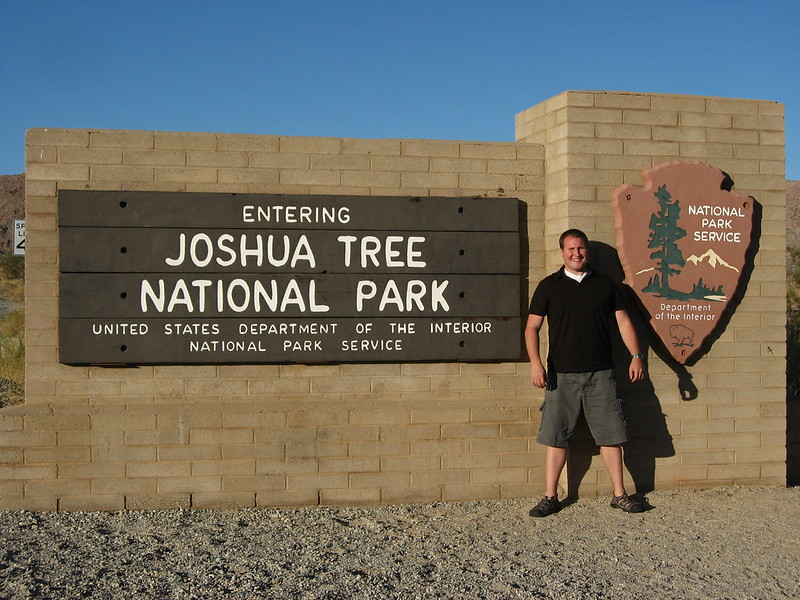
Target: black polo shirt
column 579, row 318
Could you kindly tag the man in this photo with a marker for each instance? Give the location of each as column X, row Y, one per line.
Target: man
column 579, row 305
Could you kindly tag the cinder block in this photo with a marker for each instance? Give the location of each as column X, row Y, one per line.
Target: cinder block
column 57, row 454
column 255, row 451
column 594, row 115
column 91, row 503
column 57, row 172
column 153, row 158
column 253, row 483
column 471, row 461
column 347, row 497
column 387, row 147
column 89, row 156
column 490, row 185
column 106, row 470
column 315, row 449
column 158, row 501
column 284, row 498
column 214, row 158
column 411, row 495
column 317, row 481
column 310, row 145
column 440, row 477
column 223, row 500
column 57, row 488
column 247, row 143
column 159, row 469
column 471, row 431
column 249, row 176
column 430, row 148
column 378, row 480
column 411, row 432
column 186, row 484
column 429, row 180
column 628, row 131
column 499, row 476
column 369, row 179
column 463, row 493
column 186, row 174
column 682, row 134
column 125, row 173
column 348, row 434
column 409, row 463
column 27, row 439
column 707, row 457
column 350, row 464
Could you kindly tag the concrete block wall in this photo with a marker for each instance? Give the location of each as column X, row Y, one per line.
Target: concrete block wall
column 283, row 435
column 261, row 435
column 733, row 430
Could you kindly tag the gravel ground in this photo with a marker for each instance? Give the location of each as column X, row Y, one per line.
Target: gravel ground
column 733, row 542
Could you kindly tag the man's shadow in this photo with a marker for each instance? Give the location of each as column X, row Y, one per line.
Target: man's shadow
column 648, row 435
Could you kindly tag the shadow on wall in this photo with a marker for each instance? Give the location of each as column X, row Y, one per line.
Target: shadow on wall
column 793, row 400
column 648, row 436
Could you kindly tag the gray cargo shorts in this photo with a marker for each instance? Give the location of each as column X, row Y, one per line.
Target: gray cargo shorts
column 596, row 393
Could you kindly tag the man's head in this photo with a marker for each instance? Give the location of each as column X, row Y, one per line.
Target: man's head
column 574, row 247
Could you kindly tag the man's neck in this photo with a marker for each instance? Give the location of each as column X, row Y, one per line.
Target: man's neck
column 577, row 276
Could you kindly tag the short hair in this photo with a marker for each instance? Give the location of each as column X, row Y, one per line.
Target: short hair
column 576, row 233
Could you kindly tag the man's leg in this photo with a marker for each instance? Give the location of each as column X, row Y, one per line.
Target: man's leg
column 554, row 461
column 612, row 458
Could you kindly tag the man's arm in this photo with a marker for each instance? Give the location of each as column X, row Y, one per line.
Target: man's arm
column 532, row 327
column 628, row 333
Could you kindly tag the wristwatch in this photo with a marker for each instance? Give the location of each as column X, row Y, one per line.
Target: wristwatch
column 638, row 355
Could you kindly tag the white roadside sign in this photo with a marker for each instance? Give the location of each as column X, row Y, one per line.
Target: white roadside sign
column 19, row 237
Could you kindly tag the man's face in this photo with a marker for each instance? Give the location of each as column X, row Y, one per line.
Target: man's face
column 575, row 254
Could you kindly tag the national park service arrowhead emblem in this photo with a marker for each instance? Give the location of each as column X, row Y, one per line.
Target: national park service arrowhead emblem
column 686, row 244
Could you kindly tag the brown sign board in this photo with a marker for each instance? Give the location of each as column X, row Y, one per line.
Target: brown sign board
column 686, row 244
column 196, row 278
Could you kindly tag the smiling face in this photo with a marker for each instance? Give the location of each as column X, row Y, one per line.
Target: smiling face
column 575, row 252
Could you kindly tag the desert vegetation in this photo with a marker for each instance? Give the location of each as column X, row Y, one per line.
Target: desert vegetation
column 12, row 330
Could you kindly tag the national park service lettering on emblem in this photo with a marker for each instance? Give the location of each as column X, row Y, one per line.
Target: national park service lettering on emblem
column 686, row 244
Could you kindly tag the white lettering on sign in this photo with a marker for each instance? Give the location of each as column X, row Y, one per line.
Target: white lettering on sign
column 201, row 250
column 415, row 296
column 278, row 213
column 715, row 211
column 237, row 295
column 365, row 345
column 369, row 250
column 226, row 346
column 120, row 328
column 713, row 229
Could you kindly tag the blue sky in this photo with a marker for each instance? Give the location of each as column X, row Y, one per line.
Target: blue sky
column 375, row 69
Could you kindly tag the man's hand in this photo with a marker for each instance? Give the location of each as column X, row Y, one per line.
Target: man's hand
column 538, row 375
column 636, row 370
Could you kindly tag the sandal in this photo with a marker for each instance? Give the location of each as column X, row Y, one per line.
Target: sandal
column 627, row 504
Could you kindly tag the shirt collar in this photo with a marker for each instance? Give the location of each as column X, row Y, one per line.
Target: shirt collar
column 564, row 273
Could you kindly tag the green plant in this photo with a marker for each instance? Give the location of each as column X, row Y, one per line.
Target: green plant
column 12, row 267
column 12, row 358
column 12, row 330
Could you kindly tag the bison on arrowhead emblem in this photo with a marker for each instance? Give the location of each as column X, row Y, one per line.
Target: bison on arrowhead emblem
column 686, row 244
